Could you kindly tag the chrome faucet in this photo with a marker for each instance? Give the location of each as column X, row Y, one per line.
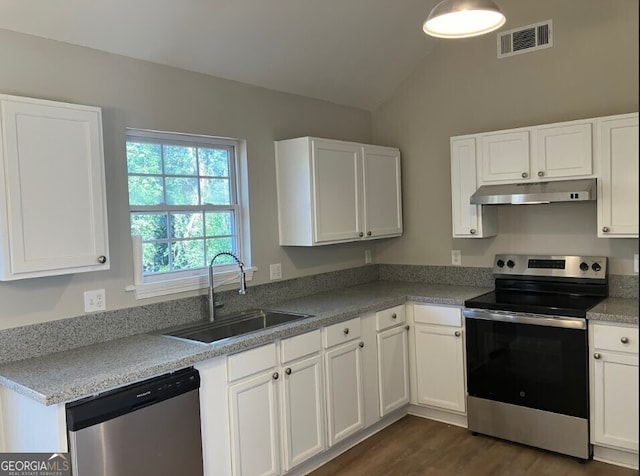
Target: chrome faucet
column 243, row 283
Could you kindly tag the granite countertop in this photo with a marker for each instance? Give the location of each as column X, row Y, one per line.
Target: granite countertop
column 624, row 311
column 85, row 371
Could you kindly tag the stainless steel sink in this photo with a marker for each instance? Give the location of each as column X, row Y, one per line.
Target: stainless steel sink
column 235, row 325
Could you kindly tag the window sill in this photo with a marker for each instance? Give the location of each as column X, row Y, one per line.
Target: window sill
column 191, row 283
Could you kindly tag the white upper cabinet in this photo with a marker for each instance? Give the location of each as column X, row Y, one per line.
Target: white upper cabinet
column 563, row 151
column 334, row 191
column 618, row 183
column 505, row 156
column 53, row 217
column 382, row 192
column 538, row 153
column 469, row 221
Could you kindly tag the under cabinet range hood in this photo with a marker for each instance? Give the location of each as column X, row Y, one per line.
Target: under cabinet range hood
column 533, row 193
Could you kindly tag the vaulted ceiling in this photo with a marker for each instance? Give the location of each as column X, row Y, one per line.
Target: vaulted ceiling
column 351, row 52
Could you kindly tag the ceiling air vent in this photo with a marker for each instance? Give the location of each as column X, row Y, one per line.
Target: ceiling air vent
column 525, row 39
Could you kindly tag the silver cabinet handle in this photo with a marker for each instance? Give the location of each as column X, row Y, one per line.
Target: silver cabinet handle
column 457, row 333
column 275, row 376
column 596, row 356
column 472, row 231
column 288, row 371
column 102, row 259
column 368, row 233
column 360, row 234
column 624, row 340
column 541, row 174
column 407, row 328
column 605, row 229
column 361, row 344
column 525, row 174
column 346, row 330
column 394, row 316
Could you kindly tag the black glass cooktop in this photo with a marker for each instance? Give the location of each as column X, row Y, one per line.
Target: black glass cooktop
column 535, row 302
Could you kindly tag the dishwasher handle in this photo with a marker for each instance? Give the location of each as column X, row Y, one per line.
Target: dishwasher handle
column 114, row 403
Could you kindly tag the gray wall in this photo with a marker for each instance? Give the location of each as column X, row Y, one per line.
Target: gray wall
column 139, row 94
column 462, row 88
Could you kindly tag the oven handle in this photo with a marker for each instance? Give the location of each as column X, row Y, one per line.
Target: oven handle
column 535, row 319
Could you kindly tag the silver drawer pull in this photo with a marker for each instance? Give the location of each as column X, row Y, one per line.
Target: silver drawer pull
column 361, row 344
column 624, row 340
column 457, row 333
column 275, row 375
column 394, row 315
column 596, row 356
column 346, row 330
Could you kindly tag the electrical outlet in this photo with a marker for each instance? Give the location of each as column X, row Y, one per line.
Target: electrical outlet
column 635, row 263
column 95, row 300
column 456, row 257
column 275, row 271
column 367, row 256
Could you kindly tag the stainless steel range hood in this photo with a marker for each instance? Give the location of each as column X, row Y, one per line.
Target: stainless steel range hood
column 532, row 193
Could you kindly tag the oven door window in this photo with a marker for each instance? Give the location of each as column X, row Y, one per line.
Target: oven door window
column 533, row 366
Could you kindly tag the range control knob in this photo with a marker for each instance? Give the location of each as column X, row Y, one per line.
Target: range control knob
column 510, row 264
column 500, row 263
column 584, row 266
column 596, row 267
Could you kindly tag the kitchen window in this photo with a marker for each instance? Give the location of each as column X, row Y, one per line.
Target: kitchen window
column 187, row 202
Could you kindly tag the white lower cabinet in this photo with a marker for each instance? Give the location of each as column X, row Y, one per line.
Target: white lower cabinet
column 393, row 359
column 276, row 405
column 614, row 392
column 253, row 406
column 344, row 380
column 303, row 411
column 439, row 357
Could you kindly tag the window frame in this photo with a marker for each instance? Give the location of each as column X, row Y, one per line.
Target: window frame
column 176, row 281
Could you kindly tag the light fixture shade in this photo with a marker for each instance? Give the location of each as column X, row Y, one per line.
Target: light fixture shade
column 463, row 18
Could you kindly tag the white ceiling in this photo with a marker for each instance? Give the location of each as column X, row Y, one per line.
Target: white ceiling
column 351, row 52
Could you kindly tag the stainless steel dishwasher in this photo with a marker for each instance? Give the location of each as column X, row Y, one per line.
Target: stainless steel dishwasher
column 147, row 428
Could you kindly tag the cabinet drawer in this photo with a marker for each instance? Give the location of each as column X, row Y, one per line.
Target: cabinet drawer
column 612, row 337
column 298, row 346
column 342, row 332
column 251, row 361
column 390, row 317
column 438, row 315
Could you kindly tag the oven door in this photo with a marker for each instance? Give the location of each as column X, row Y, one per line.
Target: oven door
column 537, row 362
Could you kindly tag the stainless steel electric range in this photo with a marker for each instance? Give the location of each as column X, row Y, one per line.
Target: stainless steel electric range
column 526, row 351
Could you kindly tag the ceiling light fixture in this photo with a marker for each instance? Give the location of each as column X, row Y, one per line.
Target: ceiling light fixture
column 463, row 18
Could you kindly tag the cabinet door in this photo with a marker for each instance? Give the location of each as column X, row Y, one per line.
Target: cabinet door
column 337, row 191
column 440, row 367
column 469, row 221
column 618, row 184
column 393, row 369
column 505, row 157
column 303, row 411
column 382, row 192
column 345, row 398
column 616, row 400
column 254, row 425
column 53, row 204
column 563, row 151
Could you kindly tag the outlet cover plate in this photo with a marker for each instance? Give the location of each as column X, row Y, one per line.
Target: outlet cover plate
column 367, row 256
column 95, row 300
column 456, row 257
column 635, row 263
column 275, row 271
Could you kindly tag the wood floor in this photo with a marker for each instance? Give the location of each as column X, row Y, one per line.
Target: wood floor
column 417, row 446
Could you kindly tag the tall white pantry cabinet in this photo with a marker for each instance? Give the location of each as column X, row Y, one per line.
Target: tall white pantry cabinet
column 53, row 216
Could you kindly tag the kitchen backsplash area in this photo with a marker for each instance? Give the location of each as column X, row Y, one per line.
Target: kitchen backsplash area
column 54, row 336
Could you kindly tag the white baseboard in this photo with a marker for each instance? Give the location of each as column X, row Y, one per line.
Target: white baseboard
column 618, row 457
column 341, row 447
column 442, row 416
